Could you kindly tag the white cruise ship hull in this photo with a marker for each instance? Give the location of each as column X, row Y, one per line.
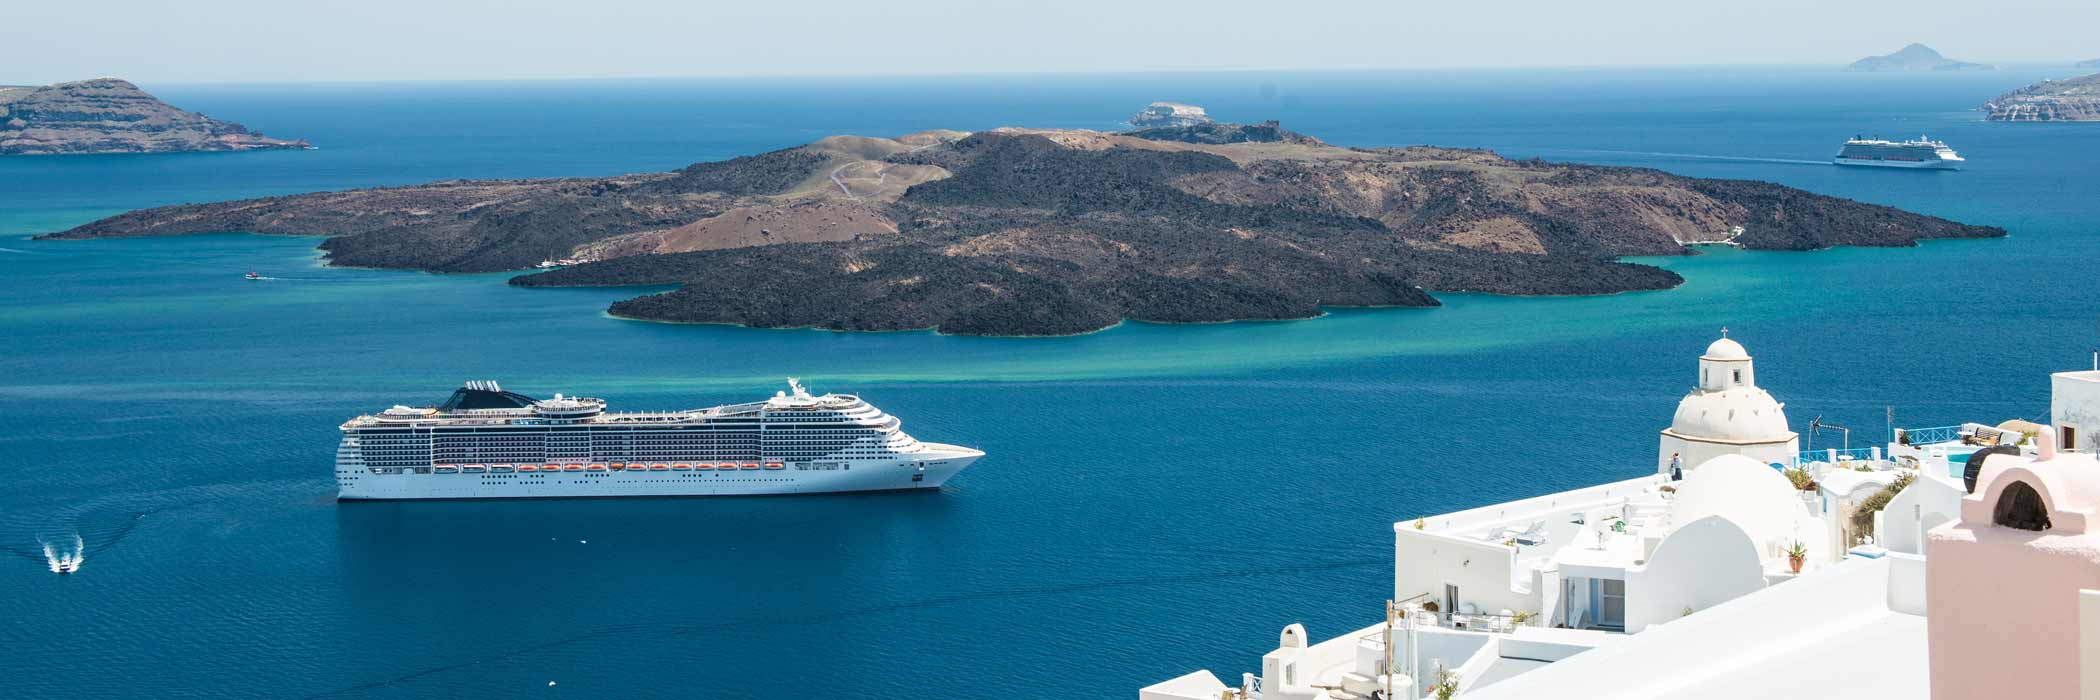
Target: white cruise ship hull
column 926, row 470
column 1910, row 164
column 485, row 442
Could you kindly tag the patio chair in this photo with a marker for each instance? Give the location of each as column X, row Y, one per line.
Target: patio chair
column 1534, row 535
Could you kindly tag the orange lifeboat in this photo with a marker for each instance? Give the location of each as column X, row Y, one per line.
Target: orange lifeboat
column 528, row 468
column 682, row 467
column 597, row 467
column 620, row 465
column 750, row 465
column 572, row 467
column 659, row 467
column 703, row 466
column 775, row 465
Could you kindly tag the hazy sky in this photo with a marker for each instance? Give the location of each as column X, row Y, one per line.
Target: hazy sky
column 279, row 40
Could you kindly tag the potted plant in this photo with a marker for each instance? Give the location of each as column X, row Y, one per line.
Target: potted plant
column 1446, row 686
column 1796, row 553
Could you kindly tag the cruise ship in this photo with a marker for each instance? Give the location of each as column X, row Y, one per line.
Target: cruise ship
column 1919, row 153
column 485, row 442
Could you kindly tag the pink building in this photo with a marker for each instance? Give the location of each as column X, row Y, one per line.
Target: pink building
column 2008, row 618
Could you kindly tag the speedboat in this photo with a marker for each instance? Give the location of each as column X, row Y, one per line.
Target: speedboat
column 253, row 276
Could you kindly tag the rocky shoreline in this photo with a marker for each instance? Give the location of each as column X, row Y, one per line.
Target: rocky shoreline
column 107, row 115
column 2072, row 100
column 1024, row 232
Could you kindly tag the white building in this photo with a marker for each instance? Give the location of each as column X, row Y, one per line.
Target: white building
column 2074, row 407
column 2007, row 605
column 1652, row 588
column 1726, row 414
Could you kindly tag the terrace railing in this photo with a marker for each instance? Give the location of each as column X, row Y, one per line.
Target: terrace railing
column 1856, row 453
column 1250, row 687
column 1928, row 436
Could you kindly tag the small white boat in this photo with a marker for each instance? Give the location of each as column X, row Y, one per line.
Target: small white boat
column 252, row 276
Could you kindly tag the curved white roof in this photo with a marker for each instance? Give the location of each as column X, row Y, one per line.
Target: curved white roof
column 1727, row 406
column 1725, row 350
column 1753, row 495
column 1741, row 414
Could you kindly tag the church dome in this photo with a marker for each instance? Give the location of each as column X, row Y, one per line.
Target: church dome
column 1741, row 414
column 1727, row 405
column 1726, row 350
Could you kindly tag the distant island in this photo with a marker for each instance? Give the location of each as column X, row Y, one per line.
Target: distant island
column 107, row 115
column 1049, row 232
column 1915, row 57
column 1169, row 115
column 2095, row 63
column 2072, row 100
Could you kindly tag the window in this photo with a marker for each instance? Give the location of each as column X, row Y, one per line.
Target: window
column 1738, row 376
column 1613, row 594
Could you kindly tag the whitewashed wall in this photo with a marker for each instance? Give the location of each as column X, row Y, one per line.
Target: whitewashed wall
column 1701, row 564
column 2075, row 401
column 1923, row 505
column 1423, row 562
column 1697, row 453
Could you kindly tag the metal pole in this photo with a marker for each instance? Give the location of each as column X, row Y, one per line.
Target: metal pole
column 1389, row 649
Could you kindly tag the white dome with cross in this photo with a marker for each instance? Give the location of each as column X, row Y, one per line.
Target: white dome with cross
column 1726, row 413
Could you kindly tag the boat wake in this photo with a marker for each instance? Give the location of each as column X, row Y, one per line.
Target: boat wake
column 64, row 559
column 64, row 553
column 1700, row 156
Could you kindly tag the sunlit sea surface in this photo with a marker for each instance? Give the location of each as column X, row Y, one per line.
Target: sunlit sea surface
column 1157, row 498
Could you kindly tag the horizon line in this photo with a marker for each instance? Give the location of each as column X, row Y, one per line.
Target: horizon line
column 1132, row 72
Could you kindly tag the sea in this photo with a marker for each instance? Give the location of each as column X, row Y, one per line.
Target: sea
column 1157, row 498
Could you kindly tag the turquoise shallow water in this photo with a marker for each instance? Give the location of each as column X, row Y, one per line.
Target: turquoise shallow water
column 1157, row 499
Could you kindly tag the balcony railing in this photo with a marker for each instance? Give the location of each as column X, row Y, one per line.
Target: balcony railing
column 1856, row 453
column 1928, row 436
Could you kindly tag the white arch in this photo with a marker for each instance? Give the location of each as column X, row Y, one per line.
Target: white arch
column 1702, row 564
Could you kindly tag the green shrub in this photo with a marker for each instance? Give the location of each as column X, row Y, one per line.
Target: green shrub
column 1863, row 518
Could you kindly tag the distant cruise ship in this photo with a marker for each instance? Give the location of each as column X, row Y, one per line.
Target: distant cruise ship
column 1920, row 153
column 485, row 442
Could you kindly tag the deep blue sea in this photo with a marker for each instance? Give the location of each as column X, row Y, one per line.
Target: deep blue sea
column 1157, row 498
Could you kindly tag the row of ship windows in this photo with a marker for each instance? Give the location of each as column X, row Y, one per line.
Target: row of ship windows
column 541, row 479
column 537, row 435
column 797, row 440
column 730, row 424
column 611, row 448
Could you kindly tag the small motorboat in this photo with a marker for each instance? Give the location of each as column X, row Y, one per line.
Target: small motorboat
column 252, row 276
